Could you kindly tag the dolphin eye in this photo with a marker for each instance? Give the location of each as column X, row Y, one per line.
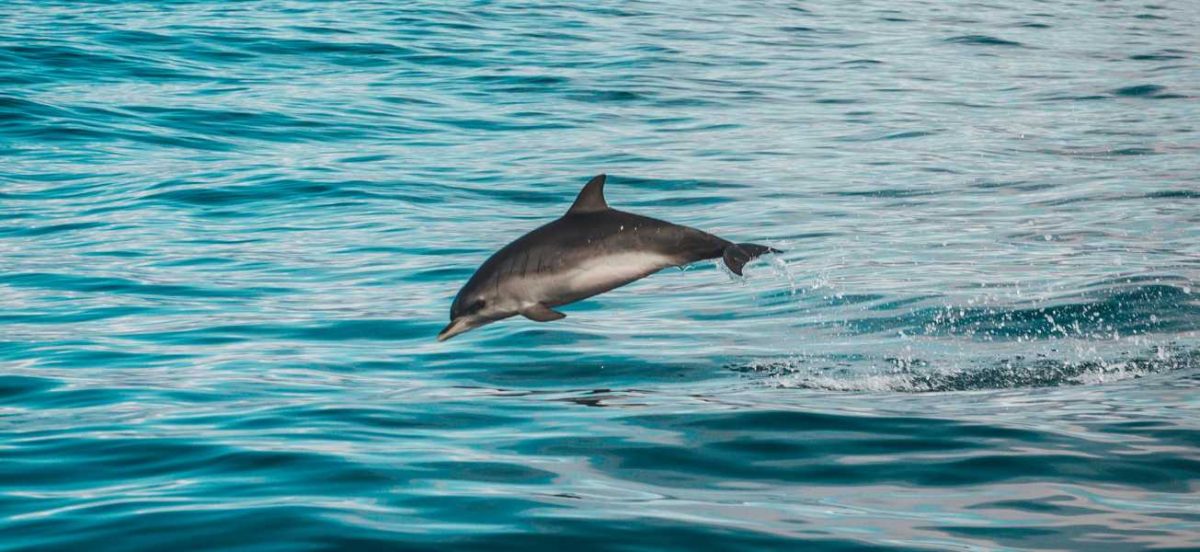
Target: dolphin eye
column 476, row 306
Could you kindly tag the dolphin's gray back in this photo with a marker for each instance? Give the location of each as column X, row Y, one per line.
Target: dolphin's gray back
column 614, row 231
column 590, row 250
column 582, row 254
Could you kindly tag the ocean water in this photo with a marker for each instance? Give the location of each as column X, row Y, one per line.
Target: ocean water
column 231, row 230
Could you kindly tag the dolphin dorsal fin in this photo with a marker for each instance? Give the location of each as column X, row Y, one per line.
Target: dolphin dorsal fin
column 591, row 197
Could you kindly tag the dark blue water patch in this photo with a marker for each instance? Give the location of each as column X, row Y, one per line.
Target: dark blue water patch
column 196, row 261
column 1163, row 55
column 769, row 447
column 845, row 299
column 468, row 509
column 1173, row 194
column 364, row 158
column 348, row 330
column 797, row 29
column 35, row 231
column 1144, row 91
column 125, row 37
column 150, row 457
column 102, row 458
column 192, row 530
column 80, row 183
column 1135, row 280
column 79, row 398
column 1105, row 312
column 1054, row 504
column 1160, row 429
column 333, row 31
column 895, row 304
column 377, row 330
column 1044, row 372
column 55, row 132
column 495, row 125
column 1133, row 151
column 518, row 197
column 88, row 355
column 983, row 40
column 350, row 54
column 786, row 300
column 887, row 193
column 808, row 236
column 489, row 472
column 336, row 474
column 15, row 216
column 517, row 83
column 393, row 420
column 419, row 250
column 277, row 190
column 702, row 128
column 443, row 273
column 615, row 183
column 861, row 64
column 14, row 388
column 88, row 132
column 1101, row 153
column 571, row 532
column 679, row 202
column 594, row 371
column 123, row 286
column 59, row 62
column 119, row 253
column 608, row 96
column 15, row 109
column 212, row 335
column 765, row 422
column 1017, row 536
column 74, row 316
column 257, row 125
column 684, row 102
column 909, row 134
column 910, row 375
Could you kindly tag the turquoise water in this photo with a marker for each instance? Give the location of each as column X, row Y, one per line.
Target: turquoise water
column 231, row 230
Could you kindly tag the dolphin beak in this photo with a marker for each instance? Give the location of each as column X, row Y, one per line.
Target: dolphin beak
column 459, row 325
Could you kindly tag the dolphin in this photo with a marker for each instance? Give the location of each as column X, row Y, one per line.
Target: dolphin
column 589, row 250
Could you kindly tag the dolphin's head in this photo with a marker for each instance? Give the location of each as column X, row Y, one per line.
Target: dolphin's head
column 475, row 305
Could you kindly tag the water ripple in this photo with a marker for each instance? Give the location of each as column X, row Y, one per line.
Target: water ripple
column 230, row 232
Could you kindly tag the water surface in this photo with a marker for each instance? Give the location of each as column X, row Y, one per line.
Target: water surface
column 231, row 230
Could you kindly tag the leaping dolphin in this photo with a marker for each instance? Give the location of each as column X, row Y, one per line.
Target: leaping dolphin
column 590, row 250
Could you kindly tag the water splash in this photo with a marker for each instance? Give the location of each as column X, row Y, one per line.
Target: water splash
column 908, row 375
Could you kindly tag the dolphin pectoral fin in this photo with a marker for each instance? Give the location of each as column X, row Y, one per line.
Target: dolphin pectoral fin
column 737, row 255
column 541, row 313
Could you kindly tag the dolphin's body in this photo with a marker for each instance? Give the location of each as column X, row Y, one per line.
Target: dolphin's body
column 589, row 250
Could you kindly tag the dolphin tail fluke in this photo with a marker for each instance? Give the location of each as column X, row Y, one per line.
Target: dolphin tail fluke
column 737, row 255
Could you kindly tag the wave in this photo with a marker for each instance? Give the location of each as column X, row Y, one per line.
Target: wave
column 920, row 376
column 1109, row 310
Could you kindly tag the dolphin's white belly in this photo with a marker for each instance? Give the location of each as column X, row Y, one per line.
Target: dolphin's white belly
column 584, row 279
column 600, row 274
